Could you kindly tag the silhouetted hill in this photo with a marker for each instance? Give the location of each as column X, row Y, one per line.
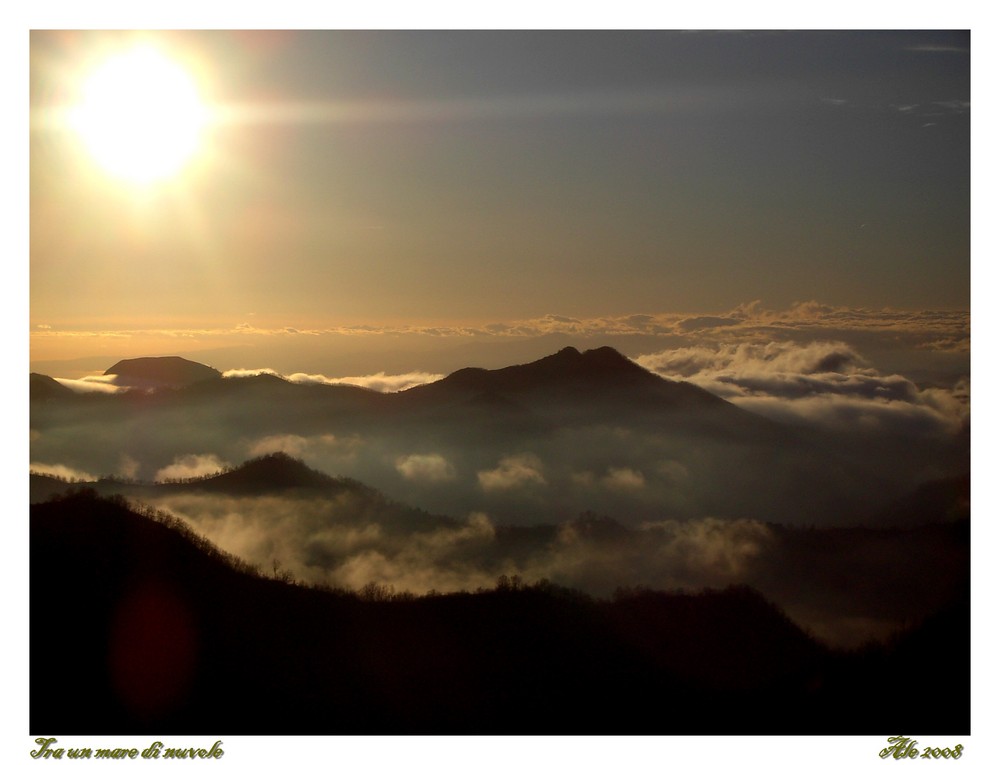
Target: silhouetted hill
column 573, row 389
column 138, row 626
column 274, row 401
column 167, row 371
column 41, row 387
column 269, row 473
column 602, row 372
column 240, row 383
column 42, row 488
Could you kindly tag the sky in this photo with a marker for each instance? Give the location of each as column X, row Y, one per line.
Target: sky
column 365, row 180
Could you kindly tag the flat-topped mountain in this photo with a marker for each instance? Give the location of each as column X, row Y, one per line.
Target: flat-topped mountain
column 165, row 371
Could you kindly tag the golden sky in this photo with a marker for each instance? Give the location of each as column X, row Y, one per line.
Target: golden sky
column 208, row 180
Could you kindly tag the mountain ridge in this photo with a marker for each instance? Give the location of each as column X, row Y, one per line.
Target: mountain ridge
column 567, row 367
column 147, row 586
column 42, row 387
column 275, row 472
column 564, row 388
column 599, row 379
column 598, row 365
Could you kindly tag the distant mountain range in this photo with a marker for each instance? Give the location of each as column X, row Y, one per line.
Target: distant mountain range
column 566, row 389
column 581, row 418
column 567, row 377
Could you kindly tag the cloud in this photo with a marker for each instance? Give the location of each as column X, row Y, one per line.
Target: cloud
column 623, row 479
column 381, row 382
column 620, row 479
column 857, row 415
column 556, row 319
column 289, row 443
column 241, row 372
column 351, row 538
column 746, row 361
column 511, row 473
column 675, row 472
column 941, row 330
column 426, row 468
column 828, row 383
column 128, row 467
column 336, row 454
column 61, row 471
column 346, row 541
column 706, row 322
column 93, row 384
column 710, row 547
column 190, row 466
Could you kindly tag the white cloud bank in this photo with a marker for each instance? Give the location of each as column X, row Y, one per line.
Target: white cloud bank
column 512, row 472
column 61, row 471
column 823, row 382
column 426, row 468
column 380, row 381
column 190, row 466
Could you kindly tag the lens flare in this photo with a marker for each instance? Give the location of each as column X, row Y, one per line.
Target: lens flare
column 140, row 115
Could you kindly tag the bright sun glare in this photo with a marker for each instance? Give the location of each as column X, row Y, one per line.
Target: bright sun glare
column 140, row 115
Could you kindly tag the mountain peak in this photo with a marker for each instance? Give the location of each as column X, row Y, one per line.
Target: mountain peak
column 569, row 352
column 268, row 473
column 597, row 362
column 601, row 373
column 45, row 387
column 162, row 371
column 606, row 356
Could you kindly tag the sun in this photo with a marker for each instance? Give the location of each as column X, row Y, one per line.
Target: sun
column 140, row 115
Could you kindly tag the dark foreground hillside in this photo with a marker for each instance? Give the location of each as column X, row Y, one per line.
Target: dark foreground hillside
column 138, row 626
